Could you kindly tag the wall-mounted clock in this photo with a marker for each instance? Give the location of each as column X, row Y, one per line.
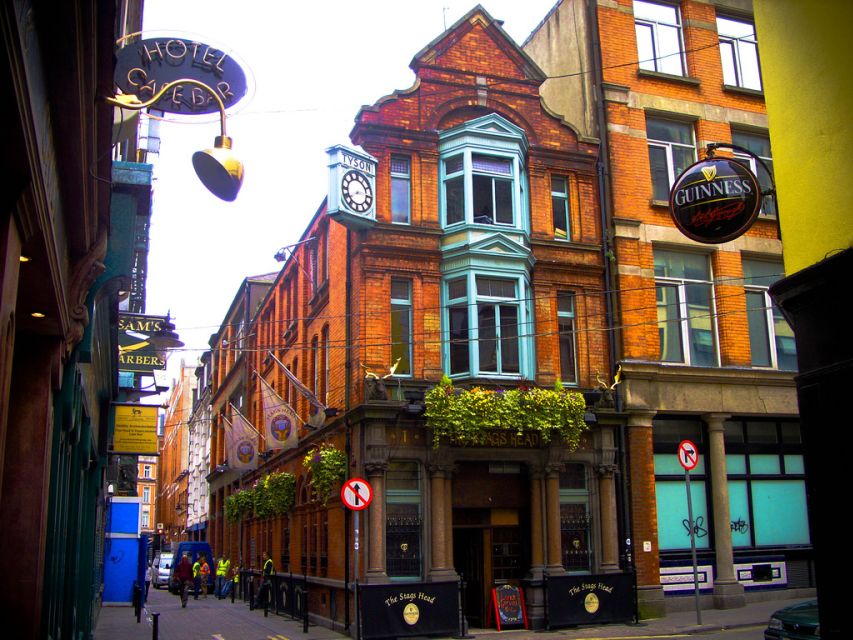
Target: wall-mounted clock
column 352, row 187
column 357, row 191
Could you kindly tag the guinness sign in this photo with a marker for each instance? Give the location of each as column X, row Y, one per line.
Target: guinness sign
column 715, row 200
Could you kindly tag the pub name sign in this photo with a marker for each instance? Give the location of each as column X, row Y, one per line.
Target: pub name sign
column 143, row 67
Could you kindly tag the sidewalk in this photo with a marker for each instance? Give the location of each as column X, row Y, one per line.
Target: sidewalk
column 212, row 618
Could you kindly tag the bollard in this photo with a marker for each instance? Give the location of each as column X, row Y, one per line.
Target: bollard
column 233, row 589
column 252, row 595
column 137, row 602
column 155, row 626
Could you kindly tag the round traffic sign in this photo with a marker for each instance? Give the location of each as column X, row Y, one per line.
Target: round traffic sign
column 688, row 455
column 356, row 494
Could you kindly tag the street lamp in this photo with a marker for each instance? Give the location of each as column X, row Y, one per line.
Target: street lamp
column 218, row 168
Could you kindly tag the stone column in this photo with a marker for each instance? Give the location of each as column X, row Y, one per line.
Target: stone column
column 376, row 522
column 537, row 516
column 448, row 520
column 439, row 569
column 609, row 528
column 728, row 592
column 552, row 517
column 644, row 538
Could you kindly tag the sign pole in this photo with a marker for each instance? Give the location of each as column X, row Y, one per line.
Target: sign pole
column 688, row 458
column 357, row 604
column 693, row 546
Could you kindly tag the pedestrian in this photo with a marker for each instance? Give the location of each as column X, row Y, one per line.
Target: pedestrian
column 184, row 575
column 204, row 572
column 149, row 571
column 222, row 568
column 197, row 576
column 266, row 581
column 235, row 580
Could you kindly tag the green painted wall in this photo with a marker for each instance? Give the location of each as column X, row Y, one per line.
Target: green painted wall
column 808, row 85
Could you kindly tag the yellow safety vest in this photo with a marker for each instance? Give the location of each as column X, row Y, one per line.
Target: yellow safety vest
column 222, row 568
column 196, row 569
column 237, row 575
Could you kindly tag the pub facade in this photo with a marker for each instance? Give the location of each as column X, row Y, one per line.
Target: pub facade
column 466, row 254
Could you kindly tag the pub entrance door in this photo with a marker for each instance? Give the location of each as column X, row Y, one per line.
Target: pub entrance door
column 491, row 532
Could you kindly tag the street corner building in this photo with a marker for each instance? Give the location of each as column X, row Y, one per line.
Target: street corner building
column 464, row 267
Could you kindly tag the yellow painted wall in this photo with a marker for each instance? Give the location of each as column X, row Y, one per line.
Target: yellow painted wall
column 806, row 50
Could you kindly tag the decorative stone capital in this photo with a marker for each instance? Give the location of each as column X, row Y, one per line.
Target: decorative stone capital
column 607, row 470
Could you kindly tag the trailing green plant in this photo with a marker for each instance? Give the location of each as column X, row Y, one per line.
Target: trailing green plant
column 239, row 504
column 274, row 494
column 467, row 416
column 328, row 467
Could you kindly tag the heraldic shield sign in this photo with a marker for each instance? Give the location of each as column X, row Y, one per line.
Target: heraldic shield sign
column 715, row 200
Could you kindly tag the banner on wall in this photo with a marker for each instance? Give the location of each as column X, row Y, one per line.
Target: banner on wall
column 410, row 609
column 591, row 599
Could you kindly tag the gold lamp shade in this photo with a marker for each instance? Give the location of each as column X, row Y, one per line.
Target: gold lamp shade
column 219, row 169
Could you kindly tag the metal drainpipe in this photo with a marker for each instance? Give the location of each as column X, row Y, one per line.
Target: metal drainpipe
column 348, row 447
column 606, row 214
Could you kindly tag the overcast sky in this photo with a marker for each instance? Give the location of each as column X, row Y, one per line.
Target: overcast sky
column 314, row 65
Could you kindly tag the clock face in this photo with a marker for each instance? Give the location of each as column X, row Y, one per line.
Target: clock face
column 357, row 191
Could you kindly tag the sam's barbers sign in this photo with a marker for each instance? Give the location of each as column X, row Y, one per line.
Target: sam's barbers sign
column 145, row 66
column 715, row 200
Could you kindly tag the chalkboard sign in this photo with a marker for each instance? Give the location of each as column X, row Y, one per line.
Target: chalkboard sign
column 508, row 602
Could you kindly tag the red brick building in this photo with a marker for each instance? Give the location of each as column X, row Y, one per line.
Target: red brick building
column 484, row 262
column 704, row 354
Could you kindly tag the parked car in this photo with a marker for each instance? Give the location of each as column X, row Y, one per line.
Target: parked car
column 162, row 568
column 194, row 549
column 796, row 622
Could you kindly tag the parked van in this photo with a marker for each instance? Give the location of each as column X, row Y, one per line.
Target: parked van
column 162, row 568
column 194, row 549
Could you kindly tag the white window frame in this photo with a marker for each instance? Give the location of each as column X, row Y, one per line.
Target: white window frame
column 737, row 46
column 667, row 146
column 768, row 203
column 770, row 318
column 147, row 471
column 660, row 63
column 680, row 284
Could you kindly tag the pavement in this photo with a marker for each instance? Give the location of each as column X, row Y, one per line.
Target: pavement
column 221, row 620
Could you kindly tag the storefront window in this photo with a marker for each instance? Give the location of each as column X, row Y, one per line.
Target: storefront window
column 403, row 520
column 576, row 542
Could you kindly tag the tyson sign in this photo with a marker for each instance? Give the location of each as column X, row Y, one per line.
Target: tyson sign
column 715, row 200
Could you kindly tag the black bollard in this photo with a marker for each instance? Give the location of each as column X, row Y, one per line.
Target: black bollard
column 252, row 595
column 233, row 589
column 137, row 602
column 155, row 626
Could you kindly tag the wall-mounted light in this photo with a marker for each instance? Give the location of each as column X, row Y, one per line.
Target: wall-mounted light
column 24, row 258
column 218, row 168
column 37, row 314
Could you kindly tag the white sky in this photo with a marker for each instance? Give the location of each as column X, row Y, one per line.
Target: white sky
column 314, row 65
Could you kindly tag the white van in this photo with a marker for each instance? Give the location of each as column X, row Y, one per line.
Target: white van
column 162, row 569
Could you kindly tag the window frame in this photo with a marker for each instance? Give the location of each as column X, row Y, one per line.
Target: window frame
column 401, row 178
column 668, row 146
column 742, row 139
column 576, row 496
column 657, row 62
column 680, row 285
column 473, row 303
column 561, row 198
column 769, row 316
column 402, row 306
column 563, row 315
column 407, row 496
column 468, row 173
column 734, row 44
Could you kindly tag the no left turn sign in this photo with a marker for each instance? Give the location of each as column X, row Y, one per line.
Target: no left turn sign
column 688, row 455
column 356, row 494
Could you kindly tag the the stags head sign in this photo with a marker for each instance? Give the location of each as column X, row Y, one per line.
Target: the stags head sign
column 715, row 200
